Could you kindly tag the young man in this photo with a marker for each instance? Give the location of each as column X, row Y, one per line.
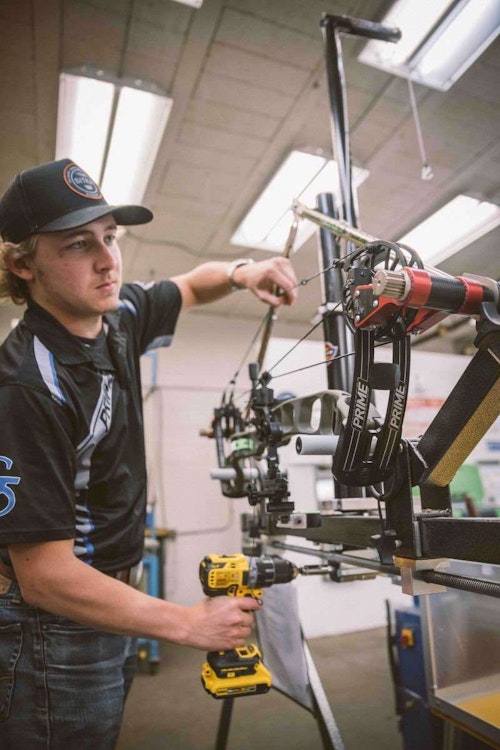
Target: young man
column 73, row 490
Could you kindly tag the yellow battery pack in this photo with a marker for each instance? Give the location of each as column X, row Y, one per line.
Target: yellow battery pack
column 228, row 674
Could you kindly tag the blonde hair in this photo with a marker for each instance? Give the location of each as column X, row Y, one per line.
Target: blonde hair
column 11, row 286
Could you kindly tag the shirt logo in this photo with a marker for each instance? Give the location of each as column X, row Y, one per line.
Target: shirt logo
column 5, row 491
column 80, row 182
column 105, row 414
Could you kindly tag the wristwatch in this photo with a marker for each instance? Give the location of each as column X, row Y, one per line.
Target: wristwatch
column 232, row 268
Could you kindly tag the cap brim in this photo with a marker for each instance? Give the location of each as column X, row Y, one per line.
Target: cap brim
column 123, row 215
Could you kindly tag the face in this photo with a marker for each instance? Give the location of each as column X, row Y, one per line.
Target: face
column 76, row 275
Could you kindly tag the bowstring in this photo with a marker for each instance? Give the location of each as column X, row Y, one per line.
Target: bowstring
column 304, row 337
column 303, row 282
column 236, row 374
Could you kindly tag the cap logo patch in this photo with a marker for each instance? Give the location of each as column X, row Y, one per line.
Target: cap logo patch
column 80, row 182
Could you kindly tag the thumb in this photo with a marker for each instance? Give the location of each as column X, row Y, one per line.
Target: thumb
column 249, row 602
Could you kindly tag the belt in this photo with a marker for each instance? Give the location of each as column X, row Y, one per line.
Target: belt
column 132, row 576
column 121, row 575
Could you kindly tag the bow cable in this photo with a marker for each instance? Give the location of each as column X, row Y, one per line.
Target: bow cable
column 266, row 324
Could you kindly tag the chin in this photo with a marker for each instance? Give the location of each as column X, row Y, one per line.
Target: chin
column 110, row 306
column 110, row 302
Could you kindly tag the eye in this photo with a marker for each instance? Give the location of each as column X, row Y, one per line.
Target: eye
column 77, row 245
column 110, row 239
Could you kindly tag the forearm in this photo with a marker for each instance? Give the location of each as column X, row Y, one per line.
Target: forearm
column 210, row 282
column 85, row 595
column 53, row 579
column 206, row 283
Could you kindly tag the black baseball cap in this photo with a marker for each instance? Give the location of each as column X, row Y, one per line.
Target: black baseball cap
column 55, row 196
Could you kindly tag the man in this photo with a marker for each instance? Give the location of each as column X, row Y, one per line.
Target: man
column 72, row 494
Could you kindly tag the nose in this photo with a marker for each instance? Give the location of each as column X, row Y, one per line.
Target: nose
column 107, row 256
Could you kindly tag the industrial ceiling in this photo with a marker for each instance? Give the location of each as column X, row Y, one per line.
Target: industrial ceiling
column 248, row 82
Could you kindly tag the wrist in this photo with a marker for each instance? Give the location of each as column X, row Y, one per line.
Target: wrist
column 232, row 269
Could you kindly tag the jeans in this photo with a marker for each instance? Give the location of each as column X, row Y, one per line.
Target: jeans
column 62, row 685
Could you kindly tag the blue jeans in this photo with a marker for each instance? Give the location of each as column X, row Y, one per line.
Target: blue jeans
column 62, row 685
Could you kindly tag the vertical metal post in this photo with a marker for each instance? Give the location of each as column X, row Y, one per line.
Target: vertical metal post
column 224, row 723
column 338, row 337
column 335, row 329
column 339, row 116
column 332, row 27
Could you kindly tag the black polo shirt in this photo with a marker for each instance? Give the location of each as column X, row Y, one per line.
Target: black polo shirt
column 71, row 428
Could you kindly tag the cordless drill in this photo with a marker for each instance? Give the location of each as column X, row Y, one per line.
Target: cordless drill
column 239, row 671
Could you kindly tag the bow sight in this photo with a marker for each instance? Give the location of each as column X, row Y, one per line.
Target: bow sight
column 273, row 483
column 243, row 442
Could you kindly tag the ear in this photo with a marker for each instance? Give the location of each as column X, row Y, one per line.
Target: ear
column 20, row 266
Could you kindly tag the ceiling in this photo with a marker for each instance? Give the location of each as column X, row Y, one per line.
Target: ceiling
column 248, row 82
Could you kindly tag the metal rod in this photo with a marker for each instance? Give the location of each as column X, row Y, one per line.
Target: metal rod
column 339, row 117
column 224, row 724
column 339, row 227
column 464, row 583
column 330, row 734
column 336, row 332
column 362, row 562
column 362, row 28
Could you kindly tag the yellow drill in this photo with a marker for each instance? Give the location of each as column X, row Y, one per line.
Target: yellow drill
column 240, row 671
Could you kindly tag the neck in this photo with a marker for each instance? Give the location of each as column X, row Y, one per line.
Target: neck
column 88, row 327
column 84, row 329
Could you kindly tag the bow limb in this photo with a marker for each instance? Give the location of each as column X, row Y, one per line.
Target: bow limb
column 271, row 314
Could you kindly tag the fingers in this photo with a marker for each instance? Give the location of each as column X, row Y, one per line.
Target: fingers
column 219, row 623
column 244, row 615
column 222, row 623
column 239, row 612
column 272, row 281
column 248, row 603
column 284, row 281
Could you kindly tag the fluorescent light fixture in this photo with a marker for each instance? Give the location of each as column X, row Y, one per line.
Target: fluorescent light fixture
column 459, row 223
column 83, row 116
column 440, row 39
column 415, row 19
column 193, row 3
column 140, row 120
column 112, row 128
column 302, row 176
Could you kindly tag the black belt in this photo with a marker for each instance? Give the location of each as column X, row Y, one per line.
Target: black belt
column 131, row 575
column 121, row 575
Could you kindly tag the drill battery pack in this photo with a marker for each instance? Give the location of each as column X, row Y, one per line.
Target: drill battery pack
column 237, row 672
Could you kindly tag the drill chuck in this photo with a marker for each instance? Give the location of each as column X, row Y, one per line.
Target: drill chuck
column 267, row 570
